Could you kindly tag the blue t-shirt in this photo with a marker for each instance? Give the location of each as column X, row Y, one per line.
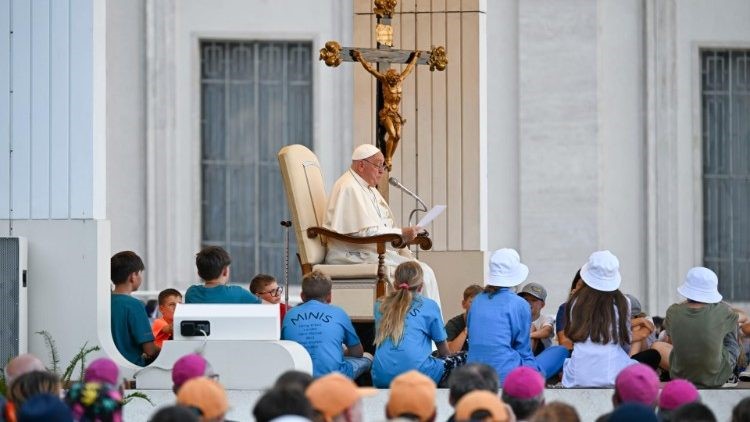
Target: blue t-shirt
column 130, row 327
column 499, row 330
column 423, row 324
column 219, row 294
column 560, row 319
column 321, row 329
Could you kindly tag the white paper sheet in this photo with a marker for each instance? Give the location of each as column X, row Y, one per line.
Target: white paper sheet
column 431, row 215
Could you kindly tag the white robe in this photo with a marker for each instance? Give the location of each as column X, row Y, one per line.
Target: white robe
column 356, row 209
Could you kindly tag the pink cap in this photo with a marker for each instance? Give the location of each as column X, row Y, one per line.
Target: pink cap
column 637, row 383
column 188, row 367
column 102, row 370
column 676, row 393
column 523, row 383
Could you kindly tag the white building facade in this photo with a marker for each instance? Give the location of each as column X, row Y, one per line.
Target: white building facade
column 598, row 128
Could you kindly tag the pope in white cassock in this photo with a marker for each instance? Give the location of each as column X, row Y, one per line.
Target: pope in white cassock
column 356, row 208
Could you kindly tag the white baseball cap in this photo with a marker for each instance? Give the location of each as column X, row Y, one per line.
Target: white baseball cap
column 701, row 285
column 506, row 269
column 602, row 271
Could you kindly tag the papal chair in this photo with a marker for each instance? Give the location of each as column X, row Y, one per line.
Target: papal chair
column 355, row 286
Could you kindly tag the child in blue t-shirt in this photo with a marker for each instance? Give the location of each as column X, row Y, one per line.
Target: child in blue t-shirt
column 131, row 330
column 322, row 328
column 213, row 267
column 406, row 324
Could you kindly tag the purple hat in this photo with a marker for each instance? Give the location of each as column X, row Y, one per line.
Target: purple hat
column 523, row 383
column 102, row 370
column 188, row 367
column 637, row 383
column 676, row 393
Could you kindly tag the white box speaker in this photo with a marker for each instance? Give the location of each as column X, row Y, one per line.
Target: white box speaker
column 227, row 322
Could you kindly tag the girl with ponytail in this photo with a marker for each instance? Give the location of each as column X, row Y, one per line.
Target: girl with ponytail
column 406, row 324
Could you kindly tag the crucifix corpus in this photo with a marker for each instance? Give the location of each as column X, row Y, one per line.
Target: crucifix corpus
column 388, row 132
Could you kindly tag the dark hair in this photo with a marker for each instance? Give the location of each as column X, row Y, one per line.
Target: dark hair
column 492, row 290
column 293, row 379
column 166, row 293
column 260, row 281
column 576, row 279
column 175, row 413
column 278, row 402
column 741, row 411
column 31, row 384
column 556, row 412
column 606, row 327
column 123, row 264
column 211, row 261
column 471, row 377
column 316, row 285
column 694, row 412
column 523, row 408
column 472, row 291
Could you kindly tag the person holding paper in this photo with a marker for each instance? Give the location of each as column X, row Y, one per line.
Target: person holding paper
column 356, row 208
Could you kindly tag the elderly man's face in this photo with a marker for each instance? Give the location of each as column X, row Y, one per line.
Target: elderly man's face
column 371, row 168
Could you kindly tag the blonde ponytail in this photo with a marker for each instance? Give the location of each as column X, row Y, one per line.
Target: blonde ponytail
column 408, row 278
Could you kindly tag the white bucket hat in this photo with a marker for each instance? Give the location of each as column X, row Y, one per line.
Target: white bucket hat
column 506, row 269
column 602, row 272
column 701, row 285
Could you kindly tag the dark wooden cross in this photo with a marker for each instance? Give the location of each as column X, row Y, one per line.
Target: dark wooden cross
column 388, row 130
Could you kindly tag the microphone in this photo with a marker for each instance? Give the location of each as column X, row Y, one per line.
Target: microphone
column 395, row 183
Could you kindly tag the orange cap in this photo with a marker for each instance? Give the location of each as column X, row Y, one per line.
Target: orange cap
column 413, row 393
column 481, row 400
column 206, row 395
column 333, row 393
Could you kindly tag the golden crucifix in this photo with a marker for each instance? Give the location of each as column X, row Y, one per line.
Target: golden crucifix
column 388, row 133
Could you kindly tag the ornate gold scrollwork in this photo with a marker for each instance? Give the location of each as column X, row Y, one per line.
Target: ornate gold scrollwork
column 330, row 54
column 438, row 59
column 384, row 8
column 384, row 34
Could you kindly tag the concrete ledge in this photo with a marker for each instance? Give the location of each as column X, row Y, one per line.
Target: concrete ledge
column 590, row 403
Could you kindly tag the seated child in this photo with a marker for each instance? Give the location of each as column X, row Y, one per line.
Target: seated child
column 131, row 330
column 406, row 324
column 321, row 328
column 560, row 321
column 703, row 333
column 455, row 328
column 642, row 329
column 162, row 327
column 213, row 267
column 268, row 290
column 542, row 326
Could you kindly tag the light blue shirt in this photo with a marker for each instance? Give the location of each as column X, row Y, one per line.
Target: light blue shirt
column 219, row 294
column 499, row 330
column 422, row 326
column 321, row 329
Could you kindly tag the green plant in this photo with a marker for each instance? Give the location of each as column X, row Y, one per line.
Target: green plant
column 78, row 358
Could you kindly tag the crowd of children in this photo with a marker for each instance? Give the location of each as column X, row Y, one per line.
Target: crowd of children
column 499, row 328
column 36, row 394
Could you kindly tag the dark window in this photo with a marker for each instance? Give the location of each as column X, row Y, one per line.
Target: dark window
column 256, row 97
column 726, row 169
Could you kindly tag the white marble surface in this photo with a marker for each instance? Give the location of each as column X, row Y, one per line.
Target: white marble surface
column 590, row 403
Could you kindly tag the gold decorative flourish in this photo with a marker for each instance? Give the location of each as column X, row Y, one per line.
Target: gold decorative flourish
column 438, row 59
column 384, row 34
column 384, row 8
column 330, row 54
